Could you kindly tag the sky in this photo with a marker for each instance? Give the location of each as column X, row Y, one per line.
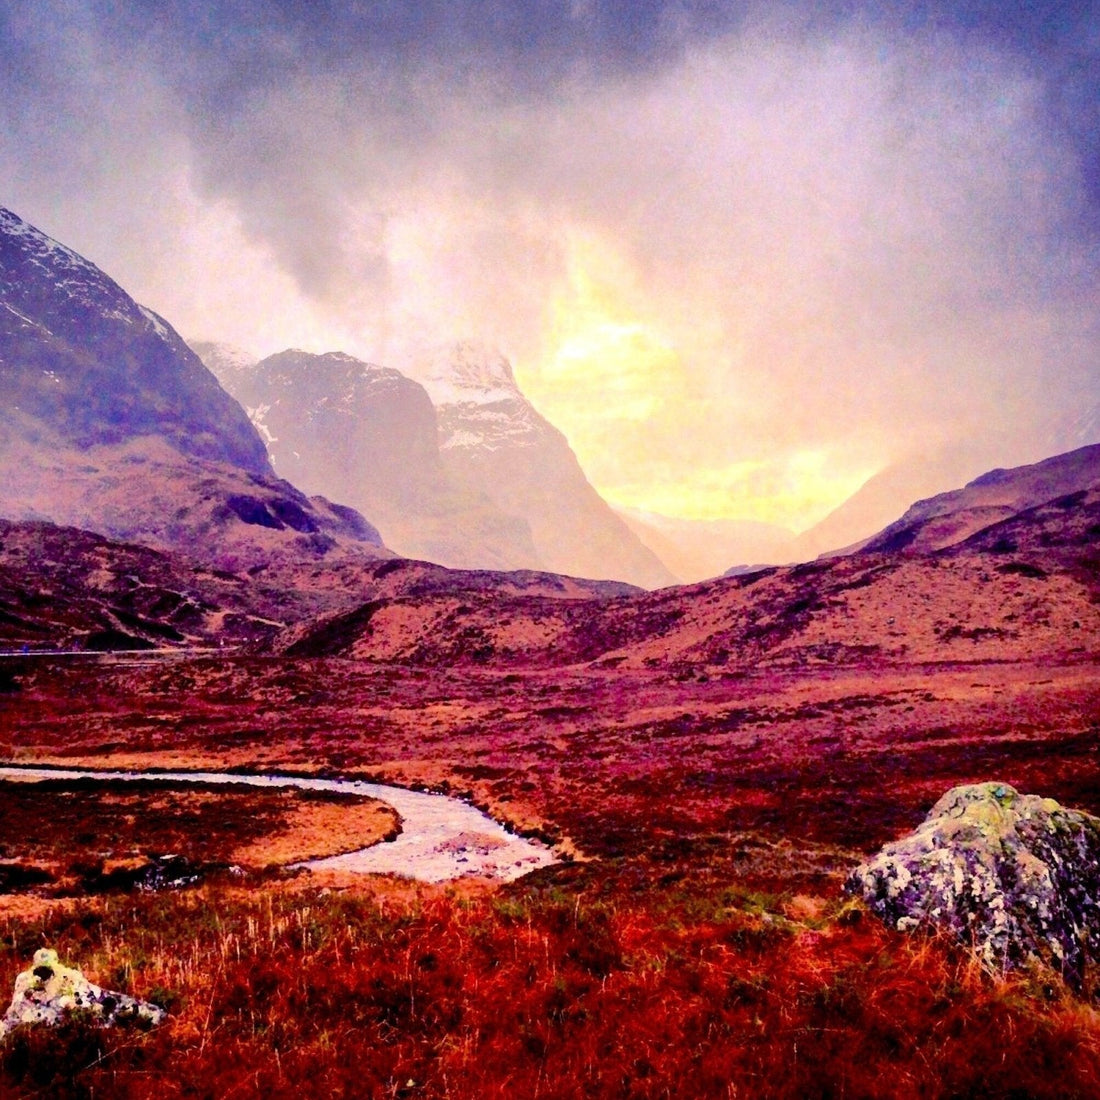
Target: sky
column 744, row 255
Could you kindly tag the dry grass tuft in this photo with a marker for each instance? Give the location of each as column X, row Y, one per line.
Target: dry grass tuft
column 618, row 981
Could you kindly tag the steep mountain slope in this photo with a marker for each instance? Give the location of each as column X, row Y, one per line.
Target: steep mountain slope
column 109, row 422
column 494, row 442
column 367, row 434
column 82, row 358
column 950, row 518
column 144, row 491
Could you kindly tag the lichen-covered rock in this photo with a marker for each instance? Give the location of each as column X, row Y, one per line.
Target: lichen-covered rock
column 1016, row 876
column 48, row 993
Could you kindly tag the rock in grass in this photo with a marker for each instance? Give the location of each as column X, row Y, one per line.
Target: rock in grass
column 1016, row 876
column 49, row 993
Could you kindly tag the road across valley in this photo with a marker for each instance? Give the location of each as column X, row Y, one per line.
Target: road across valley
column 441, row 838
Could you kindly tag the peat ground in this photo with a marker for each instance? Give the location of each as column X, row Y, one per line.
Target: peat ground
column 704, row 947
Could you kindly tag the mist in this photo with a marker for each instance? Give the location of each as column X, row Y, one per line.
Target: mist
column 743, row 267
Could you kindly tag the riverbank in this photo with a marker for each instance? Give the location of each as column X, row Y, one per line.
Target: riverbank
column 441, row 838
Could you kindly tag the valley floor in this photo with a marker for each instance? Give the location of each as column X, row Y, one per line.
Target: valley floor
column 700, row 944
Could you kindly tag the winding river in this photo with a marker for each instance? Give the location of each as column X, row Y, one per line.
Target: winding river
column 441, row 838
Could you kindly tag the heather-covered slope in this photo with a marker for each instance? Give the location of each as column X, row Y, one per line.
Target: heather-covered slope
column 1031, row 591
column 996, row 496
column 65, row 588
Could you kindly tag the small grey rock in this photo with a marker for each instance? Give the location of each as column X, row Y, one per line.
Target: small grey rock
column 48, row 992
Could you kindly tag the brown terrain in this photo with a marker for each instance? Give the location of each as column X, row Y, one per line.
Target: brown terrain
column 69, row 831
column 718, row 755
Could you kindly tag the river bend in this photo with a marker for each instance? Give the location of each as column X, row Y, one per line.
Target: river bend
column 441, row 838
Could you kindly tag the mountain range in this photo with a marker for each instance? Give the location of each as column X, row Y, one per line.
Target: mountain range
column 112, row 424
column 456, row 467
column 1020, row 581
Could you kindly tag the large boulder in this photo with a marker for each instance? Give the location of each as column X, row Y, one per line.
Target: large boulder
column 1015, row 876
column 49, row 993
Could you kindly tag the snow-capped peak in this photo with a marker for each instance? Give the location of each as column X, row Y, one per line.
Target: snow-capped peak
column 467, row 372
column 71, row 274
column 23, row 249
column 36, row 242
column 224, row 360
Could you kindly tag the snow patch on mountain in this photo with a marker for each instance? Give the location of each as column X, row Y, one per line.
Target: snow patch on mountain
column 224, row 361
column 256, row 414
column 24, row 318
column 478, row 404
column 70, row 274
column 466, row 373
column 159, row 327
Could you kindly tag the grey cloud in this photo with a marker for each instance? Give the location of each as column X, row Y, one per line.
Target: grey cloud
column 861, row 236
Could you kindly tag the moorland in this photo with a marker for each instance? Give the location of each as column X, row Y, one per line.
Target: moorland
column 711, row 761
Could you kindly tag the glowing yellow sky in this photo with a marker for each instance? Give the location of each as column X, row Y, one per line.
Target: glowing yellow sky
column 617, row 387
column 740, row 280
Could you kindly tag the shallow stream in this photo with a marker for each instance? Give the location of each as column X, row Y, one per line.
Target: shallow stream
column 441, row 838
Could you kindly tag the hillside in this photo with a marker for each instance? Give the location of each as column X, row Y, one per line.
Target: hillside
column 998, row 495
column 63, row 588
column 109, row 422
column 1021, row 591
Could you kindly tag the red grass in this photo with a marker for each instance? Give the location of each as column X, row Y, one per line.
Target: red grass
column 578, row 991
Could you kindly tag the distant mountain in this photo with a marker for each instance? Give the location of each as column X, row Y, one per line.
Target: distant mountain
column 951, row 518
column 455, row 468
column 696, row 550
column 109, row 422
column 1024, row 588
column 886, row 495
column 493, row 442
column 368, row 435
column 332, row 420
